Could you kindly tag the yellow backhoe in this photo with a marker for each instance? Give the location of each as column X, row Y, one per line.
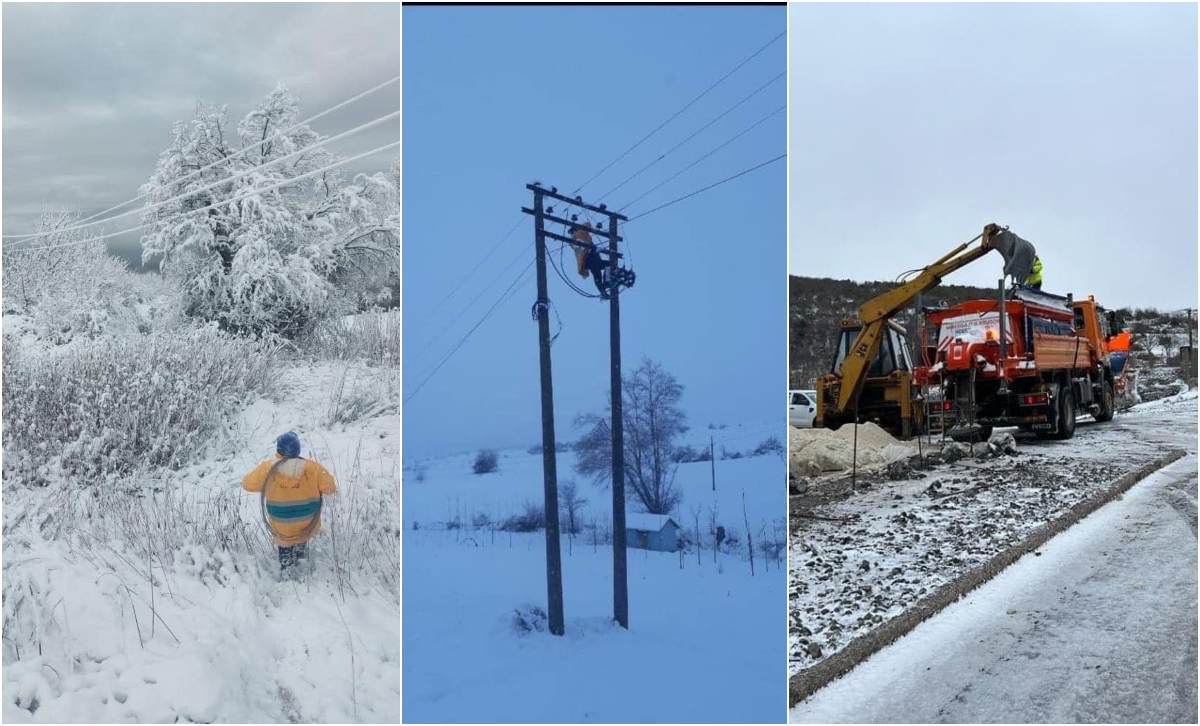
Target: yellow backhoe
column 872, row 374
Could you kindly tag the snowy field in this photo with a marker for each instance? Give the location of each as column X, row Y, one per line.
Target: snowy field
column 705, row 639
column 1100, row 627
column 860, row 560
column 157, row 599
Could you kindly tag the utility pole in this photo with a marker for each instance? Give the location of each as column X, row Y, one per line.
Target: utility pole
column 617, row 279
column 620, row 567
column 712, row 459
column 554, row 596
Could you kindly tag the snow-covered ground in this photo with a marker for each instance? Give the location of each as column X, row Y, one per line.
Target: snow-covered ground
column 858, row 561
column 705, row 638
column 97, row 632
column 1099, row 627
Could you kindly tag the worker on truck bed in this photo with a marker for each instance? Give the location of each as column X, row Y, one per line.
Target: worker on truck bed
column 587, row 259
column 292, row 489
column 1034, row 280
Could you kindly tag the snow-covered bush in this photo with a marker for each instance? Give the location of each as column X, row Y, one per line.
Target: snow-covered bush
column 116, row 405
column 68, row 285
column 373, row 336
column 360, row 393
column 487, row 461
column 531, row 519
column 268, row 262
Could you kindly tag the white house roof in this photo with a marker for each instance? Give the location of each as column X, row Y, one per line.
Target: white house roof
column 647, row 522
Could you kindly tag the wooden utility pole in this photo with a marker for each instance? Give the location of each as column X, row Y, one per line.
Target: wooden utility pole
column 712, row 460
column 554, row 596
column 617, row 279
column 620, row 567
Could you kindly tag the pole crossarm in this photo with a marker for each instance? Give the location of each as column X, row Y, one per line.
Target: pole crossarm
column 591, row 230
column 575, row 243
column 578, row 202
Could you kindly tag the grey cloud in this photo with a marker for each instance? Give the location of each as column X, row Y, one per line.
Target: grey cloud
column 91, row 90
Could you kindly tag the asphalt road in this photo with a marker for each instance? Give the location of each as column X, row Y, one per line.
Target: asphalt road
column 1100, row 627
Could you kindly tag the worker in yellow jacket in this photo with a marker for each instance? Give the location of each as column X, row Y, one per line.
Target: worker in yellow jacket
column 291, row 489
column 1035, row 275
column 587, row 259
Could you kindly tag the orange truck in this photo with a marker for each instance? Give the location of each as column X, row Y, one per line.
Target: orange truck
column 1027, row 359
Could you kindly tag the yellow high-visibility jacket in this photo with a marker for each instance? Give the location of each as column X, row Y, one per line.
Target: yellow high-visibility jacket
column 293, row 497
column 582, row 235
column 1035, row 275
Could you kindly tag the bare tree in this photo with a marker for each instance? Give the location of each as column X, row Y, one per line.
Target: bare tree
column 712, row 529
column 572, row 505
column 696, row 509
column 652, row 419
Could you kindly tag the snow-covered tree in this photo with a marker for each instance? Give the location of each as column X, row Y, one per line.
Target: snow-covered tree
column 68, row 284
column 270, row 262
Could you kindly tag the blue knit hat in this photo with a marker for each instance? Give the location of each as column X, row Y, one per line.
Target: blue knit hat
column 288, row 444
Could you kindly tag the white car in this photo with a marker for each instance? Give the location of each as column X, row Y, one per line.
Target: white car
column 802, row 408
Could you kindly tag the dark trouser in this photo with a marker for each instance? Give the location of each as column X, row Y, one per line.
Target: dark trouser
column 596, row 267
column 289, row 556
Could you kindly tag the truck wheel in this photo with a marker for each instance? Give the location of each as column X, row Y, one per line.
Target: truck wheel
column 1066, row 414
column 1107, row 403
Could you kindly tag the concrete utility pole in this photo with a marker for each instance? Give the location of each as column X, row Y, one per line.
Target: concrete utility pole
column 617, row 278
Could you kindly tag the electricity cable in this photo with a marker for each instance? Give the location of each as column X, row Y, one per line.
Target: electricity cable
column 694, row 134
column 504, row 297
column 691, row 103
column 214, row 205
column 224, row 160
column 239, row 175
column 462, row 281
column 445, row 328
column 727, row 142
column 710, row 186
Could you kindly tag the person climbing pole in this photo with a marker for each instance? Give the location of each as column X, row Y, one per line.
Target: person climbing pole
column 1034, row 281
column 291, row 491
column 587, row 259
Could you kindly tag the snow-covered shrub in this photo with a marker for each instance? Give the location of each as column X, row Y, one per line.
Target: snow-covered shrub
column 529, row 619
column 116, row 405
column 531, row 519
column 359, row 393
column 372, row 336
column 362, row 526
column 68, row 285
column 769, row 445
column 487, row 461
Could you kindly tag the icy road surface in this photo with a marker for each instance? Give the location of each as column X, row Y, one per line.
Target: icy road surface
column 1100, row 628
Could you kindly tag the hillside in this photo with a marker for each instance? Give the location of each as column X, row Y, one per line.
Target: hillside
column 815, row 305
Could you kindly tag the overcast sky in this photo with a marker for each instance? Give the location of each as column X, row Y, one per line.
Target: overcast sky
column 91, row 90
column 911, row 126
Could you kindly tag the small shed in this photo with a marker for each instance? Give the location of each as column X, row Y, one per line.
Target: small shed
column 656, row 532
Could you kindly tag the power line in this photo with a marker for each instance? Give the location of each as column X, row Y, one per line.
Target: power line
column 239, row 175
column 445, row 328
column 694, row 134
column 232, row 156
column 504, row 297
column 214, row 205
column 463, row 280
column 729, row 141
column 710, row 186
column 691, row 103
